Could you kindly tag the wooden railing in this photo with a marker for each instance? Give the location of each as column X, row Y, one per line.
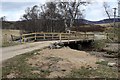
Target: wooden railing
column 56, row 36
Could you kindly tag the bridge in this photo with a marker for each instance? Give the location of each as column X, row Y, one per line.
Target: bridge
column 76, row 36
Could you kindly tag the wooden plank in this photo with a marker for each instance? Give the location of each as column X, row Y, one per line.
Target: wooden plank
column 29, row 37
column 28, row 34
column 52, row 33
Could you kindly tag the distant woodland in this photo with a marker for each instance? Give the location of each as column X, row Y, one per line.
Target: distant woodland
column 53, row 17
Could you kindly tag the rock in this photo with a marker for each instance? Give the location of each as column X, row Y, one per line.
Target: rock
column 111, row 64
column 61, row 44
column 45, row 68
column 35, row 72
column 101, row 60
column 35, row 53
column 52, row 46
column 58, row 47
column 25, row 39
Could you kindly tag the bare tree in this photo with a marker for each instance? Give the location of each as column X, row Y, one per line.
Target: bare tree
column 106, row 8
column 3, row 18
column 52, row 14
column 31, row 16
column 71, row 11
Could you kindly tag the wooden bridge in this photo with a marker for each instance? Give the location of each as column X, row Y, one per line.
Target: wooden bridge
column 60, row 36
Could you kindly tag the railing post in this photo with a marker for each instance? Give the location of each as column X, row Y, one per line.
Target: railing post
column 44, row 36
column 93, row 36
column 22, row 39
column 52, row 36
column 84, row 35
column 68, row 37
column 60, row 37
column 35, row 36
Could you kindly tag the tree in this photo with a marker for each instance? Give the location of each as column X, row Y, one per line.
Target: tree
column 31, row 16
column 106, row 8
column 53, row 16
column 71, row 11
column 50, row 13
column 3, row 18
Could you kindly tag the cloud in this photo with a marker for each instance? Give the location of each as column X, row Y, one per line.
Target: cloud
column 41, row 1
column 14, row 6
column 14, row 9
column 12, row 16
column 94, row 12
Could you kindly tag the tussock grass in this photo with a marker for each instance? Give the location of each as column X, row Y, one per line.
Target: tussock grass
column 100, row 72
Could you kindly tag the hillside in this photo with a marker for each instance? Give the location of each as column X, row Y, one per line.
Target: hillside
column 78, row 22
column 104, row 21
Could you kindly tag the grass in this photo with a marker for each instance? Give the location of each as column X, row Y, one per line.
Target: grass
column 7, row 44
column 113, row 34
column 6, row 37
column 108, row 24
column 20, row 68
column 102, row 62
column 101, row 72
column 98, row 45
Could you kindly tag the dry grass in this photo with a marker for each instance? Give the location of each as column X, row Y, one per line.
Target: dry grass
column 6, row 36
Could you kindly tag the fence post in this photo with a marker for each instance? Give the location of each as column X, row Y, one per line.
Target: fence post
column 93, row 36
column 35, row 36
column 60, row 37
column 52, row 36
column 44, row 36
column 68, row 38
column 84, row 35
column 22, row 38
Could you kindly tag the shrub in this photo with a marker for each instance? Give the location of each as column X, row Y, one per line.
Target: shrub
column 98, row 44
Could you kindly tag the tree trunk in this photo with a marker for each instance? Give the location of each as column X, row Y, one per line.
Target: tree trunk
column 66, row 27
column 71, row 23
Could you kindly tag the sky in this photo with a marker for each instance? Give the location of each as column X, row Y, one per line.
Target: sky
column 14, row 9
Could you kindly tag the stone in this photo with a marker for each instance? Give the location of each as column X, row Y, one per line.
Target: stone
column 111, row 64
column 52, row 46
column 101, row 60
column 61, row 44
column 35, row 53
column 58, row 47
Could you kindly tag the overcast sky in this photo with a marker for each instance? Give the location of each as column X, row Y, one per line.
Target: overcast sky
column 14, row 9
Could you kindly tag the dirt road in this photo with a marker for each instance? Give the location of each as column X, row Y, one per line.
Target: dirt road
column 9, row 52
